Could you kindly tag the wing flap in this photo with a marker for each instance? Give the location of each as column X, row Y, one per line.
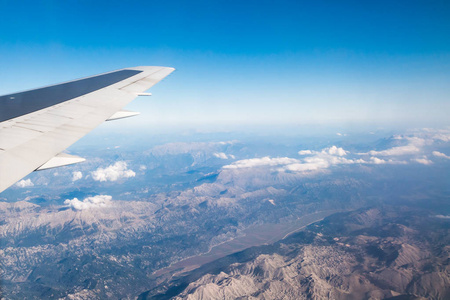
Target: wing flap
column 60, row 160
column 121, row 114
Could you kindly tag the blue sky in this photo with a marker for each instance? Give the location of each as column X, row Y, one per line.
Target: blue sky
column 245, row 62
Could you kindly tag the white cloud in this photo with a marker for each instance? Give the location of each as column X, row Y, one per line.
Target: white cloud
column 333, row 150
column 328, row 157
column 428, row 135
column 305, row 152
column 89, row 202
column 442, row 217
column 322, row 160
column 396, row 151
column 227, row 143
column 221, row 155
column 77, row 175
column 317, row 164
column 317, row 161
column 439, row 154
column 415, row 145
column 377, row 161
column 261, row 162
column 25, row 183
column 113, row 172
column 424, row 160
column 142, row 168
column 442, row 135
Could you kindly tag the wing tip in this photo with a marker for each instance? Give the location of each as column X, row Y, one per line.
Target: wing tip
column 147, row 68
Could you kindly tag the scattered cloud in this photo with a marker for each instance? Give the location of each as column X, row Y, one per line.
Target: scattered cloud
column 305, row 152
column 414, row 145
column 260, row 162
column 113, row 172
column 142, row 167
column 77, row 175
column 309, row 165
column 228, row 142
column 25, row 183
column 442, row 135
column 432, row 135
column 333, row 150
column 28, row 198
column 423, row 160
column 377, row 161
column 314, row 161
column 223, row 155
column 439, row 154
column 322, row 160
column 396, row 151
column 442, row 217
column 89, row 202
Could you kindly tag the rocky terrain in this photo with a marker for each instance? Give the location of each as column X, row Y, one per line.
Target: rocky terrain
column 378, row 253
column 93, row 246
column 124, row 224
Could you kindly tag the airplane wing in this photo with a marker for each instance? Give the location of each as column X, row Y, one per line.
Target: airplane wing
column 37, row 125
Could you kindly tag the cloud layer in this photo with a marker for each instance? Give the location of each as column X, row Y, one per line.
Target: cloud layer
column 320, row 160
column 315, row 160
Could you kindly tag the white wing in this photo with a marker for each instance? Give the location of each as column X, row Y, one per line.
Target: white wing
column 37, row 125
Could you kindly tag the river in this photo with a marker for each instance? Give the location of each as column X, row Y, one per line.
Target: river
column 255, row 235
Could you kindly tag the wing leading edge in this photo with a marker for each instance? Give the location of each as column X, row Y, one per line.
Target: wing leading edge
column 37, row 125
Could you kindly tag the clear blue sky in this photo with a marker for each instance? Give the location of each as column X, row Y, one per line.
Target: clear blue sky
column 245, row 62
